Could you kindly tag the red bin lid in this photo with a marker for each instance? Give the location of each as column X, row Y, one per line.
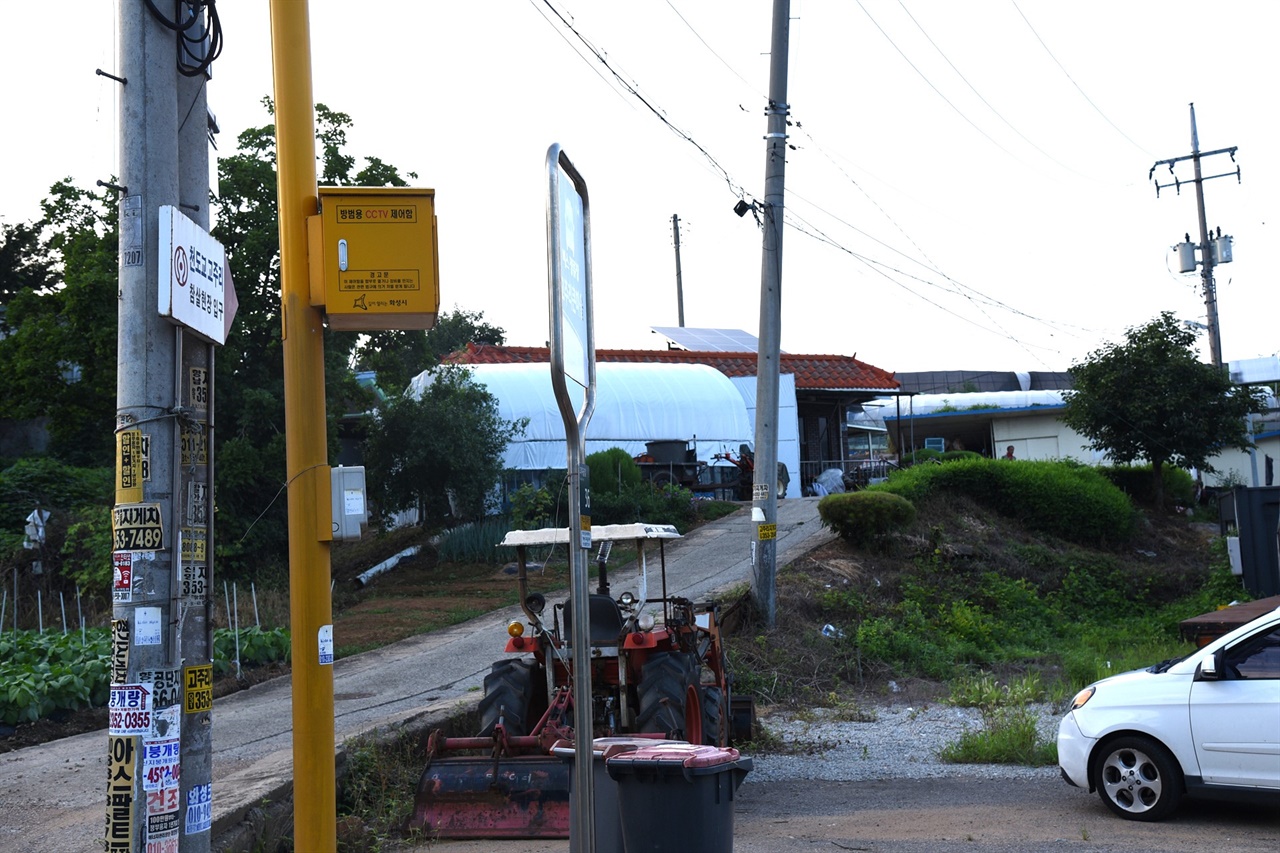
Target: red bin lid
column 680, row 754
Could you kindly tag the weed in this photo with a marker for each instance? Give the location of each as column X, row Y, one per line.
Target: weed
column 1009, row 736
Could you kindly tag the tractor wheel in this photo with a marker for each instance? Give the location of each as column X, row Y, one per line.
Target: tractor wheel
column 713, row 716
column 516, row 691
column 669, row 700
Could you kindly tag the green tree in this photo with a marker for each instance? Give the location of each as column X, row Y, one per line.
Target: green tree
column 1150, row 398
column 398, row 356
column 58, row 356
column 249, row 379
column 25, row 264
column 439, row 453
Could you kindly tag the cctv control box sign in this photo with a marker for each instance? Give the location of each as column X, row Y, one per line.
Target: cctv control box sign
column 192, row 276
column 374, row 262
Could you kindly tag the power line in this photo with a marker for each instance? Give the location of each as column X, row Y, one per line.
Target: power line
column 958, row 111
column 981, row 98
column 1082, row 92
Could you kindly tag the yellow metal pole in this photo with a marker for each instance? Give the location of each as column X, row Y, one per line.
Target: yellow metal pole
column 311, row 610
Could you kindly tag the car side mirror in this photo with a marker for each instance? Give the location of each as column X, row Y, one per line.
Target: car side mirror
column 1208, row 670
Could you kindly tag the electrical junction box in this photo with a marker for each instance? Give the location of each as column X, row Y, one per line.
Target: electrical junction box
column 350, row 506
column 373, row 258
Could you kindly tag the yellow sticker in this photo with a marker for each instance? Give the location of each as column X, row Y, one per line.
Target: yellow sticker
column 129, row 454
column 767, row 531
column 122, row 764
column 195, row 542
column 137, row 527
column 195, row 444
column 198, row 684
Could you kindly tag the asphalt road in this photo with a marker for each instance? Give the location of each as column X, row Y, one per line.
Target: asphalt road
column 954, row 814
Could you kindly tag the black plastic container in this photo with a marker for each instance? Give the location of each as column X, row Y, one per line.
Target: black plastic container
column 677, row 797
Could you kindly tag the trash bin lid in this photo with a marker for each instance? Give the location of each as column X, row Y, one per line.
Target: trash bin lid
column 686, row 755
column 607, row 747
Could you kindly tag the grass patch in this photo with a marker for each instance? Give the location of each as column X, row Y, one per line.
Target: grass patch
column 1008, row 736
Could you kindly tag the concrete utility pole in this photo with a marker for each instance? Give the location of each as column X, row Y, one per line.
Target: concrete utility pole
column 1209, row 249
column 764, row 495
column 159, row 741
column 675, row 230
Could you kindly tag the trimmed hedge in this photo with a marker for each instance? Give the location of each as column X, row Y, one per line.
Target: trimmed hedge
column 862, row 516
column 1072, row 501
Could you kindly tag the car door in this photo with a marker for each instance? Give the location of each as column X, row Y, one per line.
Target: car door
column 1235, row 719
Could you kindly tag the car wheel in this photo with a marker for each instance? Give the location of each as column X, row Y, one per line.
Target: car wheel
column 1137, row 778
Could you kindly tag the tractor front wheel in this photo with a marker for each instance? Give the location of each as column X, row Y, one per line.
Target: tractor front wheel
column 670, row 700
column 714, row 712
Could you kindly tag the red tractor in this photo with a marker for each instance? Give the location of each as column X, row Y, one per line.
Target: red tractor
column 658, row 669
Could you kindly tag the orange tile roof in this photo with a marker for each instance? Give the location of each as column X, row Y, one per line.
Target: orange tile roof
column 812, row 372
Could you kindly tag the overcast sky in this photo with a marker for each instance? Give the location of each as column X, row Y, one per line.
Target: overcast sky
column 969, row 186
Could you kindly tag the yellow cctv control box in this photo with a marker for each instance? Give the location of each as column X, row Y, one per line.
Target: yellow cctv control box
column 373, row 258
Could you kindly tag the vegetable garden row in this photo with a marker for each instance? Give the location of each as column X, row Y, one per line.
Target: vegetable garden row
column 46, row 674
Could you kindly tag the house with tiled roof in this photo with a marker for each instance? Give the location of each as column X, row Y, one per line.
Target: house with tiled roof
column 815, row 392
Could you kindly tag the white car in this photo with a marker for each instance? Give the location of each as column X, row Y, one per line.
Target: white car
column 1205, row 725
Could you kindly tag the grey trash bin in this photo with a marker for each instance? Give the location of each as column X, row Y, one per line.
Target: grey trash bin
column 608, row 821
column 677, row 796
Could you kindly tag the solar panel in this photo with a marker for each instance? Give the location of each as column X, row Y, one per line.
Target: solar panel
column 709, row 340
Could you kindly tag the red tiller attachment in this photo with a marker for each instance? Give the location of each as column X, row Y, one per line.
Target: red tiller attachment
column 526, row 796
column 518, row 790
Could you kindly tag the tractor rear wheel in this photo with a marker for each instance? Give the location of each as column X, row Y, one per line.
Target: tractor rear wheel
column 670, row 703
column 515, row 691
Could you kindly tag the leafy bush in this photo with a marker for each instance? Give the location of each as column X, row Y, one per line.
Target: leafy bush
column 862, row 516
column 86, row 552
column 924, row 454
column 612, row 471
column 954, row 455
column 257, row 647
column 667, row 504
column 53, row 485
column 1138, row 482
column 1071, row 501
column 531, row 507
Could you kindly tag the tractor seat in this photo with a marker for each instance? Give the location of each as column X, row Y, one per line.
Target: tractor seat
column 606, row 620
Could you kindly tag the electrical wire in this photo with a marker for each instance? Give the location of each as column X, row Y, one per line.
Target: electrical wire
column 975, row 91
column 634, row 91
column 958, row 111
column 1082, row 92
column 196, row 50
column 957, row 289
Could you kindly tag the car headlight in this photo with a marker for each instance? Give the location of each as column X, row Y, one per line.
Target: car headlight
column 1082, row 697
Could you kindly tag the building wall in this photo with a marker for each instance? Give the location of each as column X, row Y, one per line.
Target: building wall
column 1042, row 437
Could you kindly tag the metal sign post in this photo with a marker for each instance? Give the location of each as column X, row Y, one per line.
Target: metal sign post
column 573, row 376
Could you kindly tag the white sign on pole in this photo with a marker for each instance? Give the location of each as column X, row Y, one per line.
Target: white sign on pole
column 192, row 276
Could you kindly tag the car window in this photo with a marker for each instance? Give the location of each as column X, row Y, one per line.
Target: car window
column 1256, row 657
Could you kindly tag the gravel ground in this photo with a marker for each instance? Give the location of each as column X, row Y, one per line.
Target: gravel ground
column 900, row 742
